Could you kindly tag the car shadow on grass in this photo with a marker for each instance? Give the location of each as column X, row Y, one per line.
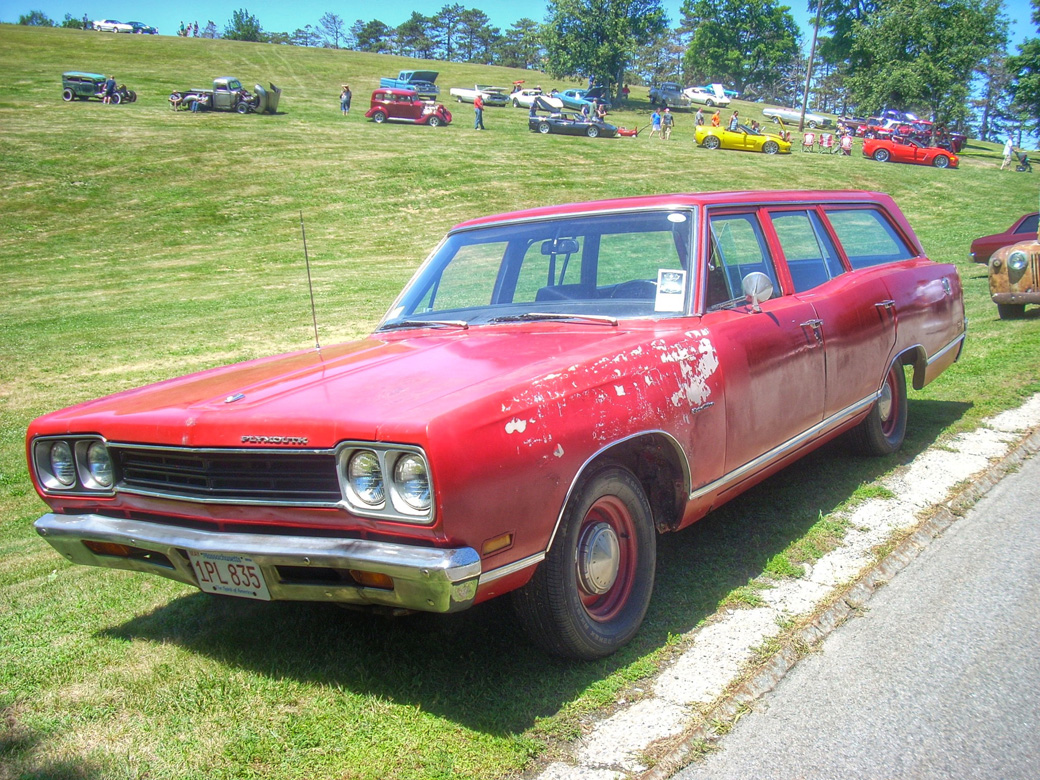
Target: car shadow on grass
column 476, row 668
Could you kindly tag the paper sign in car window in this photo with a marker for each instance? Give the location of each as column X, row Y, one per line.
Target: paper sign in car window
column 671, row 290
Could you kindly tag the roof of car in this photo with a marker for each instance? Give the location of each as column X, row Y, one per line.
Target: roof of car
column 82, row 75
column 397, row 91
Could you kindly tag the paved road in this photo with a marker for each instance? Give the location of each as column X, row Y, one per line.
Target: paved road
column 939, row 678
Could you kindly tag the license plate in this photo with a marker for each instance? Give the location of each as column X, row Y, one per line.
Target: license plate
column 228, row 574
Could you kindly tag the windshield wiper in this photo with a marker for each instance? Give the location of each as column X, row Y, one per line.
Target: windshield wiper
column 424, row 324
column 598, row 319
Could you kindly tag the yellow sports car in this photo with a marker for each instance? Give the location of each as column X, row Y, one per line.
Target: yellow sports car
column 742, row 138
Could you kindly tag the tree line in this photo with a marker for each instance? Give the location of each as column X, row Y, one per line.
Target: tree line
column 947, row 60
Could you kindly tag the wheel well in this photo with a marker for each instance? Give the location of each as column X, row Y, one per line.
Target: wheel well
column 659, row 464
column 917, row 357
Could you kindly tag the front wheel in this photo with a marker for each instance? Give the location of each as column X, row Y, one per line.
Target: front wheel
column 882, row 155
column 812, row 124
column 770, row 147
column 588, row 597
column 1011, row 311
column 882, row 431
column 516, row 103
column 776, row 120
column 242, row 108
column 941, row 161
column 709, row 103
column 711, row 142
column 379, row 117
column 434, row 121
column 67, row 95
column 592, row 131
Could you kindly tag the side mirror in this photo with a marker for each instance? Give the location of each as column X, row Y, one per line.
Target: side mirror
column 757, row 287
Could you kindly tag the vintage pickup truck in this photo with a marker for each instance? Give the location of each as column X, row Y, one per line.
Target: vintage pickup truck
column 423, row 82
column 553, row 389
column 228, row 94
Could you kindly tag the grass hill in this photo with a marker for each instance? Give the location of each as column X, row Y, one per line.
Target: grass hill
column 138, row 243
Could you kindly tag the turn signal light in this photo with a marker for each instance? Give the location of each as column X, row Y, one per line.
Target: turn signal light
column 108, row 548
column 371, row 579
column 496, row 544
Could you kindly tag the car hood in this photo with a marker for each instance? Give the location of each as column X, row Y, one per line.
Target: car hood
column 385, row 387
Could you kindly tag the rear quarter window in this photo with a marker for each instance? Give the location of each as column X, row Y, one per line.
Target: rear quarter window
column 868, row 237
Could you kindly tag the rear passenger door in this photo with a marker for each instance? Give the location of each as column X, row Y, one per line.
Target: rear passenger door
column 854, row 318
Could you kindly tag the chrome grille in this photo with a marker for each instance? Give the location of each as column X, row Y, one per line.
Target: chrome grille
column 249, row 477
column 1034, row 268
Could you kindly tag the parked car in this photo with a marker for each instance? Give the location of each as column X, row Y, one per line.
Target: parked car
column 404, row 105
column 812, row 120
column 1022, row 229
column 907, row 150
column 667, row 93
column 577, row 98
column 706, row 96
column 423, row 82
column 567, row 123
column 552, row 389
column 492, row 96
column 113, row 26
column 228, row 94
column 744, row 139
column 83, row 86
column 143, row 29
column 526, row 97
column 1014, row 278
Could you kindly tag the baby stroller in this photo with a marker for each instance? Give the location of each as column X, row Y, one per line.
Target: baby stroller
column 1023, row 163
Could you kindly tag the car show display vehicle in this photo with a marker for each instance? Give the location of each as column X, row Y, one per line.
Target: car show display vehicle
column 405, row 105
column 1022, row 229
column 778, row 113
column 527, row 97
column 492, row 96
column 1014, row 278
column 228, row 94
column 143, row 29
column 113, row 26
column 422, row 82
column 707, row 96
column 568, row 123
column 77, row 85
column 552, row 389
column 908, row 150
column 576, row 99
column 743, row 138
column 668, row 93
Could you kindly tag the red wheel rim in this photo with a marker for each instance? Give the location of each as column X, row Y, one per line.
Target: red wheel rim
column 888, row 405
column 608, row 522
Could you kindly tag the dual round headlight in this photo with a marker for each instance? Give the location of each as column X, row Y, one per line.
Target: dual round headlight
column 74, row 464
column 389, row 482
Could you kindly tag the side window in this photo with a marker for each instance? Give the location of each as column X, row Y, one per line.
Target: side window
column 1029, row 224
column 810, row 254
column 868, row 237
column 737, row 249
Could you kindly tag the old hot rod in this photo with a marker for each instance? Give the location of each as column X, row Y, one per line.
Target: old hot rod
column 553, row 389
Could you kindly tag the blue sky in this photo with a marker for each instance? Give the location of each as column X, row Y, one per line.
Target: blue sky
column 280, row 16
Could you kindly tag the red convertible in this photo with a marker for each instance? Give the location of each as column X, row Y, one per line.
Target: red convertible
column 404, row 105
column 552, row 390
column 907, row 150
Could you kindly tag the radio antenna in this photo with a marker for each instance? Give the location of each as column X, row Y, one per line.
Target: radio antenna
column 310, row 284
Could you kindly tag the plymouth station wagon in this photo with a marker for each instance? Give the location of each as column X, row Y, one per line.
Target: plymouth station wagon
column 553, row 389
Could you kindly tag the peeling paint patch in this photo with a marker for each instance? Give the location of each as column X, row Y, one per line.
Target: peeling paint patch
column 558, row 452
column 516, row 425
column 619, row 389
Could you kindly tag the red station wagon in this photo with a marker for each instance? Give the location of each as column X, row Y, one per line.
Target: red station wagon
column 404, row 105
column 552, row 390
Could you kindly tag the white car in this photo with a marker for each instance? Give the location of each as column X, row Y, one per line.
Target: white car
column 525, row 97
column 777, row 113
column 706, row 97
column 492, row 96
column 111, row 25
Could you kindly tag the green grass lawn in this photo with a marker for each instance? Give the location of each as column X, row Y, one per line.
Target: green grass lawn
column 138, row 243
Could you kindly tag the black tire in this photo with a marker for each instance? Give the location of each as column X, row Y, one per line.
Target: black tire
column 435, row 121
column 711, row 142
column 770, row 147
column 589, row 596
column 882, row 155
column 592, row 131
column 131, row 96
column 67, row 95
column 941, row 161
column 882, row 431
column 242, row 108
column 1011, row 311
column 379, row 117
column 116, row 98
column 543, row 127
column 516, row 103
column 812, row 124
column 709, row 103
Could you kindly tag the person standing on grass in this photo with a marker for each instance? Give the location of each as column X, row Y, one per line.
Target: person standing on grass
column 699, row 119
column 478, row 111
column 344, row 99
column 110, row 89
column 1009, row 150
column 734, row 122
column 667, row 120
column 716, row 119
column 655, row 123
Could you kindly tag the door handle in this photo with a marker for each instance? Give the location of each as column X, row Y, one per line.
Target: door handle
column 889, row 304
column 815, row 325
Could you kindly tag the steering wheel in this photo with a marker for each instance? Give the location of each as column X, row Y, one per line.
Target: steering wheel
column 642, row 289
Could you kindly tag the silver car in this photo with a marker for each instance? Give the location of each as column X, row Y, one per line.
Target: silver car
column 776, row 113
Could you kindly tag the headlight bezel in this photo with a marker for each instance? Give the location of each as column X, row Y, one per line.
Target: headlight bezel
column 84, row 480
column 398, row 502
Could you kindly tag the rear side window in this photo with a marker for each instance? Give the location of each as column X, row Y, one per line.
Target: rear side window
column 1028, row 224
column 811, row 257
column 867, row 237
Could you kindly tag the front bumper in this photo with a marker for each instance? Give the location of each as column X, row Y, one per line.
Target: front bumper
column 1016, row 297
column 296, row 568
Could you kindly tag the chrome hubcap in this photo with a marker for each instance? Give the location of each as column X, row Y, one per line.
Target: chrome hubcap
column 884, row 403
column 599, row 558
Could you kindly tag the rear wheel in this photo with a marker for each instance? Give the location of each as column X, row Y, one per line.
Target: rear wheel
column 543, row 127
column 881, row 155
column 1011, row 311
column 379, row 117
column 589, row 596
column 770, row 147
column 711, row 142
column 67, row 95
column 592, row 131
column 941, row 161
column 882, row 431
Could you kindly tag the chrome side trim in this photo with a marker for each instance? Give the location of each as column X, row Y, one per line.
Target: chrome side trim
column 511, row 568
column 957, row 342
column 425, row 578
column 783, row 450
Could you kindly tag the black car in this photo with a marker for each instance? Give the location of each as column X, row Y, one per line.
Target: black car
column 567, row 123
column 143, row 29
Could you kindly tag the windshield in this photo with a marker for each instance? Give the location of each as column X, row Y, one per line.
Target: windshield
column 613, row 266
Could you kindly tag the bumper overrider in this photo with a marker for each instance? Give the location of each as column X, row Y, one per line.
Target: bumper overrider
column 295, row 568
